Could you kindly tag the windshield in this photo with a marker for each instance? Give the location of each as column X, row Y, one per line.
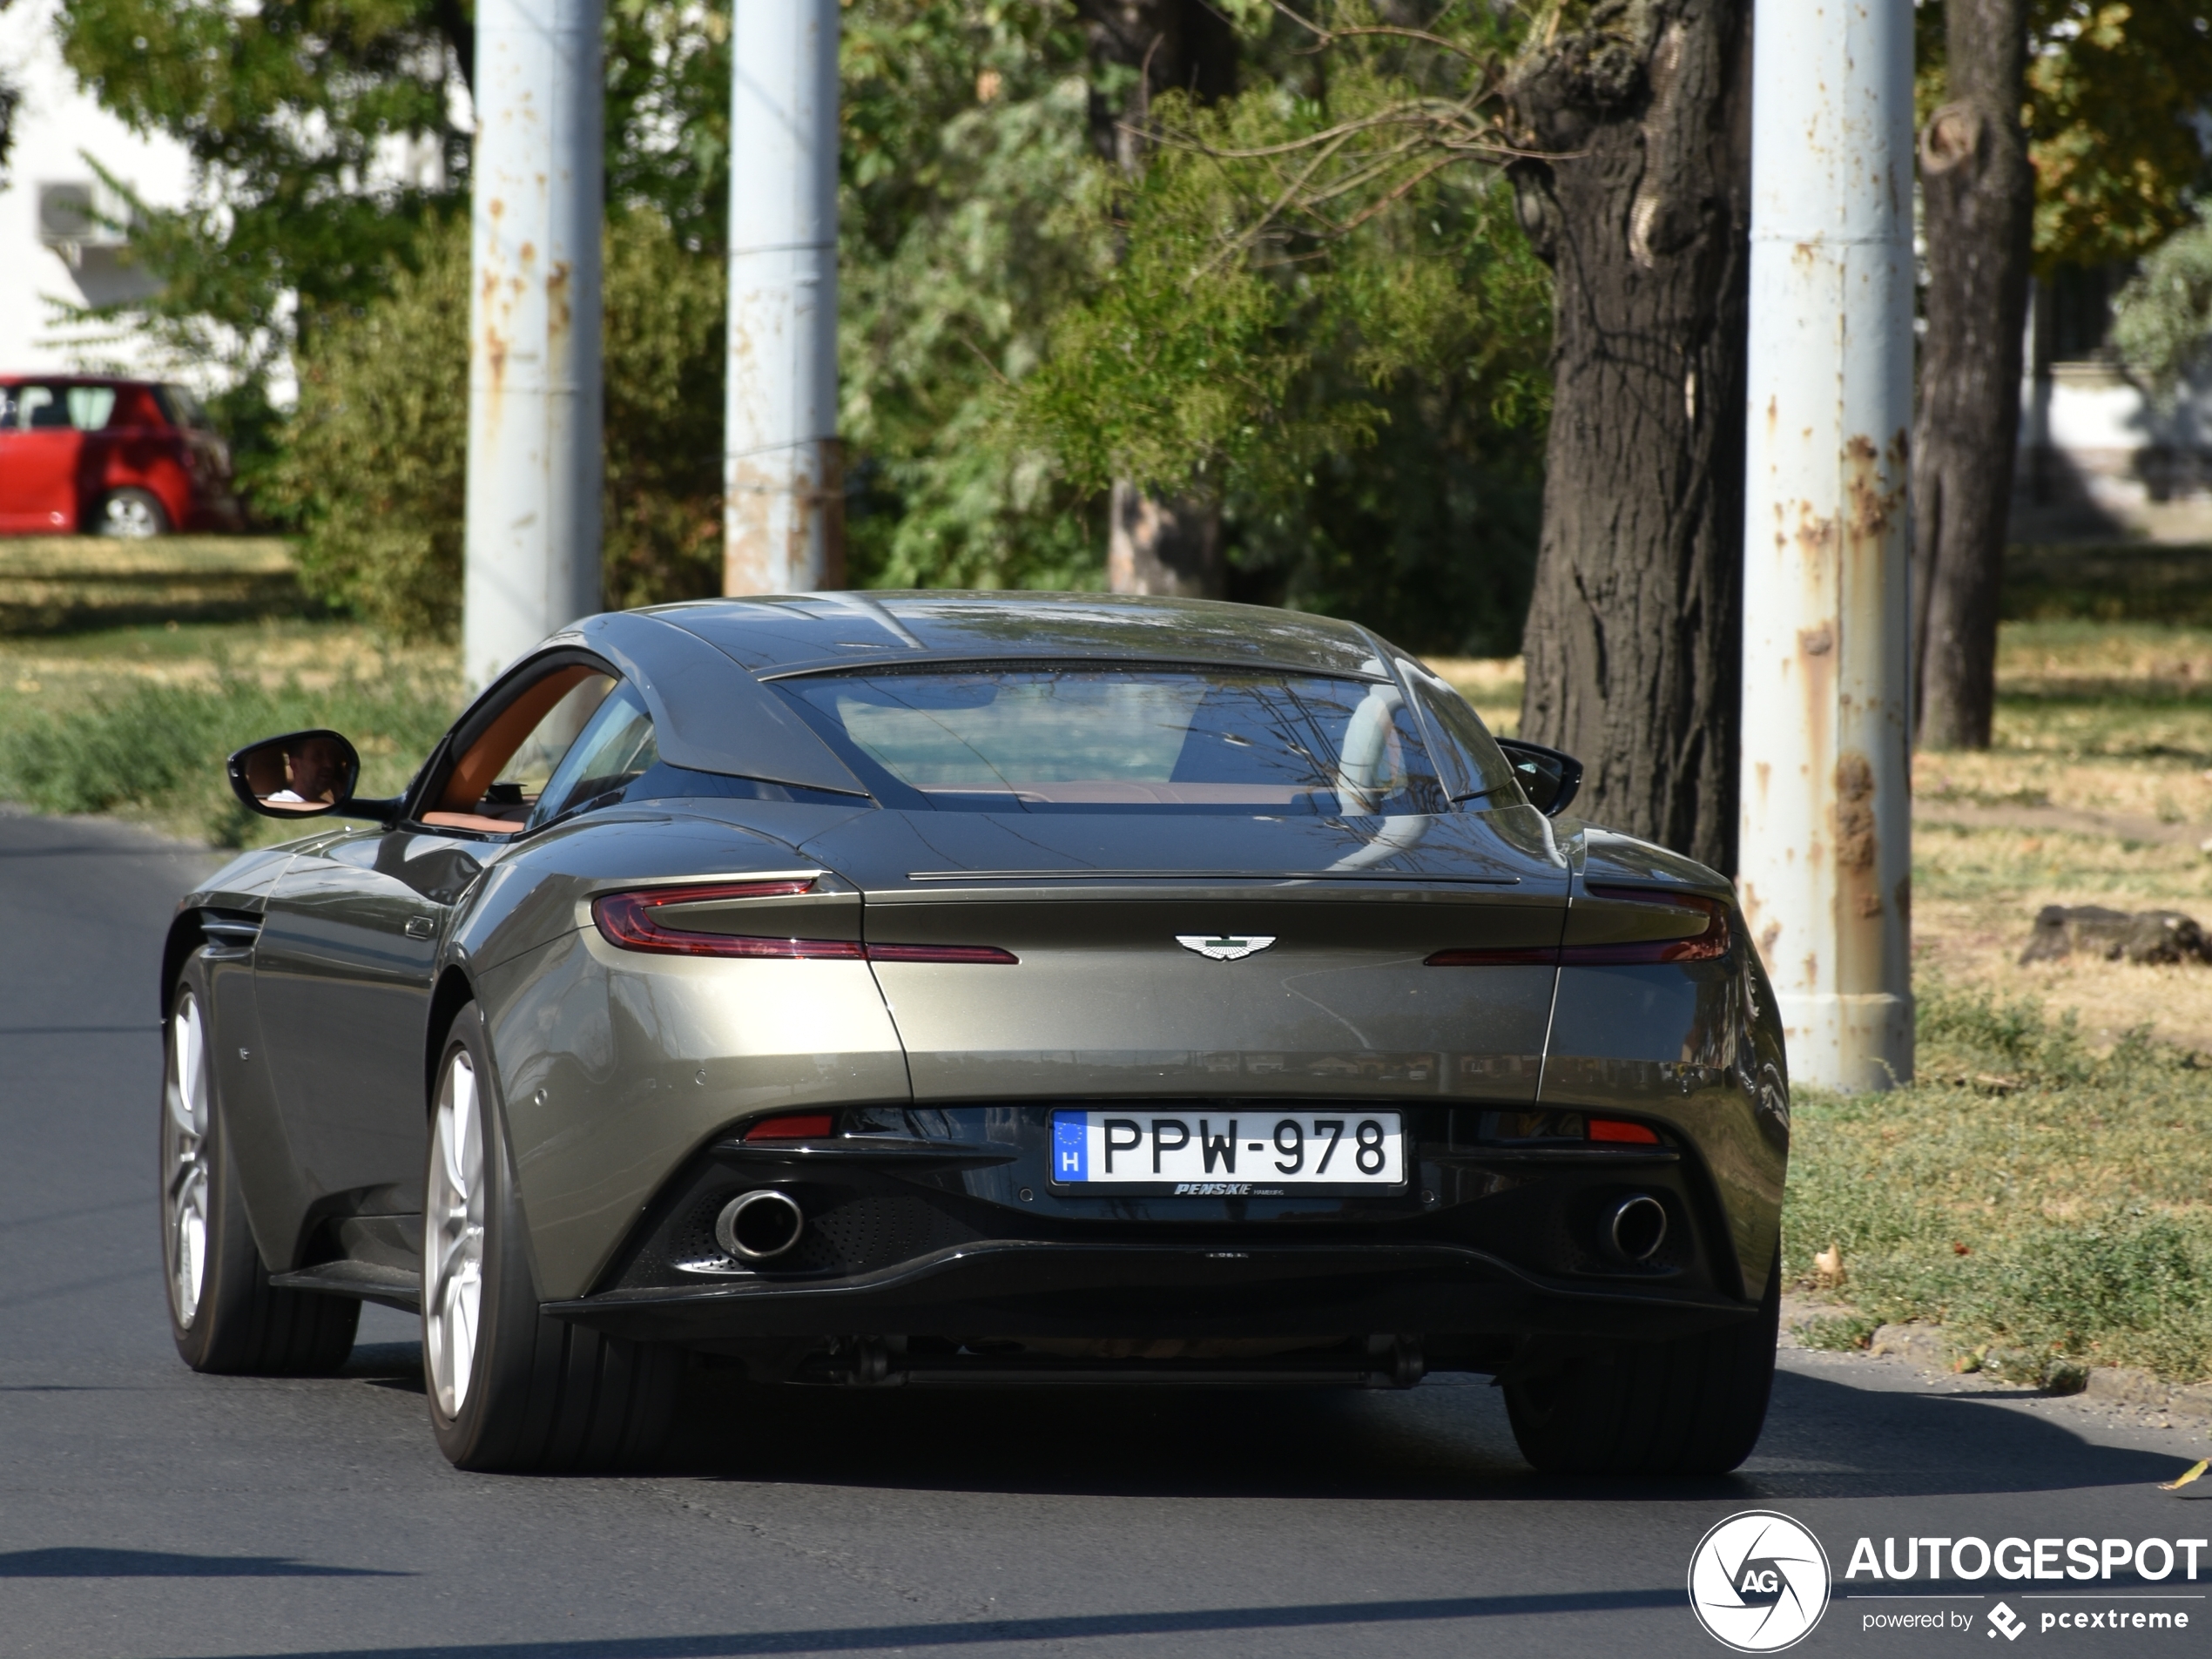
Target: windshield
column 1092, row 739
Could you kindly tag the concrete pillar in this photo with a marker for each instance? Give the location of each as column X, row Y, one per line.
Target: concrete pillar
column 534, row 391
column 784, row 514
column 1824, row 867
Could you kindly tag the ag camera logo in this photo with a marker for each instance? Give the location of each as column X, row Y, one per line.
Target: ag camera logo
column 1758, row 1581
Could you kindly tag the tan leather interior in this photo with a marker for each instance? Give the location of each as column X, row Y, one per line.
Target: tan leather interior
column 478, row 769
column 472, row 821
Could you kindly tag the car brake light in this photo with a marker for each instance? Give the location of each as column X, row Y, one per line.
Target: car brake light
column 801, row 1126
column 627, row 919
column 940, row 954
column 1619, row 1129
column 1507, row 955
column 1708, row 945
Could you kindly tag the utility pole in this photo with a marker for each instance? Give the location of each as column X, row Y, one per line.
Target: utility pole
column 1825, row 861
column 534, row 401
column 783, row 515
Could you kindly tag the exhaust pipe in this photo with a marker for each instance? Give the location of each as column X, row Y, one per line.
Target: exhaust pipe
column 756, row 1226
column 1636, row 1228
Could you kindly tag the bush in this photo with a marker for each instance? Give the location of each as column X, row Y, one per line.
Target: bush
column 376, row 467
column 156, row 751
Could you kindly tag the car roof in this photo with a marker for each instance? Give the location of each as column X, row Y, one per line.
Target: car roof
column 32, row 376
column 780, row 634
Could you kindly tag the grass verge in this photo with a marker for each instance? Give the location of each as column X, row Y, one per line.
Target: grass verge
column 2045, row 1203
column 140, row 724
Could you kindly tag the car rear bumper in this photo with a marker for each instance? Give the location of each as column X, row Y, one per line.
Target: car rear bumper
column 1022, row 1288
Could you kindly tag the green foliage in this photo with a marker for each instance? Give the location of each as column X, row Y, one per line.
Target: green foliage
column 376, row 466
column 2161, row 321
column 1327, row 319
column 2046, row 1204
column 972, row 214
column 374, row 470
column 2114, row 89
column 289, row 109
column 323, row 141
column 156, row 750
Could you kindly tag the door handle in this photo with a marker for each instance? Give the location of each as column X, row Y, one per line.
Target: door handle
column 420, row 926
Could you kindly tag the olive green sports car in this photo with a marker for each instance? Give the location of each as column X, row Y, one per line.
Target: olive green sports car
column 974, row 989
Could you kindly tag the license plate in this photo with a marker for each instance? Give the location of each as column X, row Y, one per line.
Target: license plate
column 1234, row 1154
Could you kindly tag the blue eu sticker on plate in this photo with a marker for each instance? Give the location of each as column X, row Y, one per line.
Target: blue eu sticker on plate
column 1070, row 1147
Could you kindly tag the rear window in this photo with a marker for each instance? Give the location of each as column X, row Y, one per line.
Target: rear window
column 183, row 409
column 1091, row 739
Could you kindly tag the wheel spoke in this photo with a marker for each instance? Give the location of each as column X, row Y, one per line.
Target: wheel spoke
column 185, row 1175
column 453, row 1236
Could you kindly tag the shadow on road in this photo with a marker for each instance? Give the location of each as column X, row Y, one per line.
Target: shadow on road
column 969, row 1633
column 161, row 1564
column 1824, row 1440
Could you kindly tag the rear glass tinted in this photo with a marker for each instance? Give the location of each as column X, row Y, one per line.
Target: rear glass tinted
column 1038, row 738
column 183, row 409
column 1489, row 775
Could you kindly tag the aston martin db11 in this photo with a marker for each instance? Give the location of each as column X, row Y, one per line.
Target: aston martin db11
column 971, row 990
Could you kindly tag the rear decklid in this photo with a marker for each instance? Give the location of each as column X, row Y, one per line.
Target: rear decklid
column 1211, row 955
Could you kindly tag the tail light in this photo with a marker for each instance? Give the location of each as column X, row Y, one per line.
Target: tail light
column 1710, row 944
column 627, row 919
column 940, row 954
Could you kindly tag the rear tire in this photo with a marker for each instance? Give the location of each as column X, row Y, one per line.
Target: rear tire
column 134, row 515
column 1693, row 1405
column 509, row 1389
column 223, row 1313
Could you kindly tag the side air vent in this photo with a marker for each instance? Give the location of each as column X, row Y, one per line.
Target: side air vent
column 229, row 934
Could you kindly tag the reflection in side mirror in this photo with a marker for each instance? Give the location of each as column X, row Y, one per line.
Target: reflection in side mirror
column 1548, row 776
column 302, row 774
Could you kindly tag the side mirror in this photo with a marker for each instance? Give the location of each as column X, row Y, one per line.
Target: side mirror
column 1548, row 776
column 302, row 774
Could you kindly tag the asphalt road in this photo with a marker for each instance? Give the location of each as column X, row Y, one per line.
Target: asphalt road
column 146, row 1511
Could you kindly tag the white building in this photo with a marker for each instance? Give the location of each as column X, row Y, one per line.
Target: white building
column 2098, row 459
column 52, row 244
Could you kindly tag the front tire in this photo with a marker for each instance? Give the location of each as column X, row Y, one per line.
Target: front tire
column 511, row 1389
column 1693, row 1405
column 223, row 1313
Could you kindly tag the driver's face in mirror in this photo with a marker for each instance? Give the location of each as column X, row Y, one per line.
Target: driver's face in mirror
column 313, row 771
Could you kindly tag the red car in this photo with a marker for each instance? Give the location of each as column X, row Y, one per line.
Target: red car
column 111, row 457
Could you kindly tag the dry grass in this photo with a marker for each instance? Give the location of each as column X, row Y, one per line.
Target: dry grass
column 2097, row 790
column 1491, row 683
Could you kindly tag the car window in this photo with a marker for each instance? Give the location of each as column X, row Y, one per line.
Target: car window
column 1131, row 739
column 183, row 409
column 90, row 407
column 1489, row 775
column 495, row 782
column 40, row 409
column 611, row 753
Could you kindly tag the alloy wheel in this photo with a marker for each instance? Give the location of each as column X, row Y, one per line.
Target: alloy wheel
column 452, row 1252
column 183, row 1161
column 131, row 517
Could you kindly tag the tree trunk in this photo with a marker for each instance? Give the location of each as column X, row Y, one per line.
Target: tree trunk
column 1634, row 630
column 1980, row 194
column 1168, row 547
